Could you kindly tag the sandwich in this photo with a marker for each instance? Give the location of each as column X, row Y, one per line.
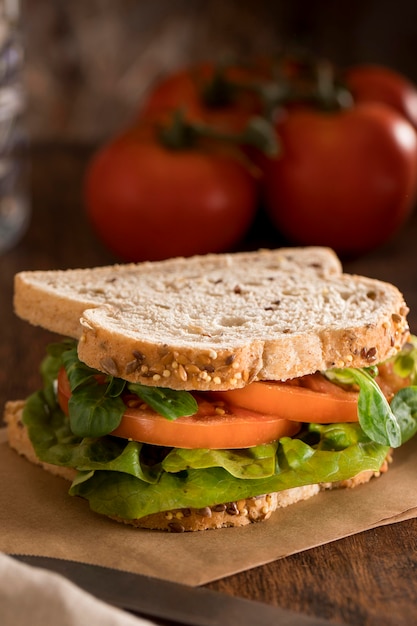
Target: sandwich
column 204, row 392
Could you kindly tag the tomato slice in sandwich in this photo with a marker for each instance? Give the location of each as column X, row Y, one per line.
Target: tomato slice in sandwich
column 214, row 426
column 259, row 413
column 312, row 399
column 236, row 428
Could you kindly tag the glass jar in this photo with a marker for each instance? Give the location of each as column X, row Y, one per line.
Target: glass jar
column 14, row 202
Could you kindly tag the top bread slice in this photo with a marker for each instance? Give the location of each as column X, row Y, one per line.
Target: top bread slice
column 219, row 321
column 57, row 299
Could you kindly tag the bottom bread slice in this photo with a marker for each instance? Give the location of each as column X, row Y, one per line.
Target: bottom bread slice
column 240, row 513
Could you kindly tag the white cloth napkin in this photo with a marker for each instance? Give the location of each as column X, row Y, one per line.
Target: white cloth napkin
column 35, row 596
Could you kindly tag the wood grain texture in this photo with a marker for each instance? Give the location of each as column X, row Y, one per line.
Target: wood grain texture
column 366, row 580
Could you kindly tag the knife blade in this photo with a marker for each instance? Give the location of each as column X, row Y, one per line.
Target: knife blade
column 156, row 598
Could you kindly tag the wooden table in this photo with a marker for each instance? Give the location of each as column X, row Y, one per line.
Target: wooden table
column 365, row 579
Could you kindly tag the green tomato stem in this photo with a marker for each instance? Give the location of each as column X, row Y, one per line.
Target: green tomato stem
column 181, row 134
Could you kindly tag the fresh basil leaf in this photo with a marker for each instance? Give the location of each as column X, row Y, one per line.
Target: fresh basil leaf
column 78, row 373
column 375, row 415
column 169, row 403
column 405, row 362
column 52, row 362
column 92, row 412
column 404, row 365
column 404, row 405
column 115, row 387
column 56, row 349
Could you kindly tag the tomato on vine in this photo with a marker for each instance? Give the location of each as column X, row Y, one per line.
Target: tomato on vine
column 346, row 176
column 153, row 193
column 225, row 97
column 375, row 83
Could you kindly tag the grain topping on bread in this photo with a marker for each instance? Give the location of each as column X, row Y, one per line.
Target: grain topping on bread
column 219, row 322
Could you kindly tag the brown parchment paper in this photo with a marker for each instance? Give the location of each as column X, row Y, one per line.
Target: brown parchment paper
column 38, row 517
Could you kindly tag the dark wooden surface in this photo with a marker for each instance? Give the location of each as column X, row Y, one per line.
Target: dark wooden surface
column 368, row 579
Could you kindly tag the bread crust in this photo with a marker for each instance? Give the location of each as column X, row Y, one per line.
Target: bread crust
column 220, row 321
column 240, row 513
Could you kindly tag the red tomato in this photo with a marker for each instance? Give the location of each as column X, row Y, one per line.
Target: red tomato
column 310, row 399
column 238, row 428
column 226, row 108
column 259, row 413
column 215, row 426
column 148, row 202
column 373, row 83
column 345, row 179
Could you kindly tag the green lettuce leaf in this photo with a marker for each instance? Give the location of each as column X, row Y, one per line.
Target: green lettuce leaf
column 388, row 424
column 256, row 462
column 299, row 464
column 131, row 480
column 404, row 406
column 54, row 442
column 405, row 362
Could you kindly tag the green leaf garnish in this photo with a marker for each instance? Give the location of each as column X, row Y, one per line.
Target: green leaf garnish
column 52, row 362
column 96, row 407
column 169, row 403
column 388, row 424
column 78, row 373
column 375, row 414
column 405, row 362
column 92, row 412
column 404, row 405
column 115, row 387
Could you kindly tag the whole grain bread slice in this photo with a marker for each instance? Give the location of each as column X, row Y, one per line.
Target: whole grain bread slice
column 219, row 321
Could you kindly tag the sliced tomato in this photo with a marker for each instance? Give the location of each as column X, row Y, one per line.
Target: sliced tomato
column 307, row 399
column 258, row 413
column 236, row 428
column 214, row 426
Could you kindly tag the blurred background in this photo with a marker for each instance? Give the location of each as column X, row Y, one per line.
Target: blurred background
column 90, row 62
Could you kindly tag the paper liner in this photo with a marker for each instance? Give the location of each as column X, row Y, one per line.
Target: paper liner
column 38, row 517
